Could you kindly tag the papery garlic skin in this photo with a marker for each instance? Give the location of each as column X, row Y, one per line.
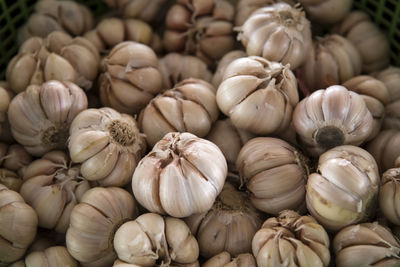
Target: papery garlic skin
column 367, row 244
column 384, row 148
column 176, row 67
column 53, row 186
column 40, row 117
column 108, row 145
column 224, row 259
column 391, row 78
column 388, row 201
column 369, row 40
column 130, row 77
column 18, row 226
column 93, row 223
column 332, row 117
column 146, row 10
column 228, row 226
column 188, row 107
column 191, row 167
column 14, row 157
column 200, row 28
column 278, row 33
column 253, row 87
column 151, row 238
column 326, row 11
column 291, row 240
column 50, row 257
column 275, row 174
column 224, row 63
column 344, row 189
column 49, row 16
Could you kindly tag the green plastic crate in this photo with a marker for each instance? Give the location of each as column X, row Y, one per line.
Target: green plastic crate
column 13, row 13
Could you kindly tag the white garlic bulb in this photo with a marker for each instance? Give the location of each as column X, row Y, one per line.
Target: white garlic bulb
column 14, row 157
column 389, row 203
column 391, row 78
column 224, row 259
column 224, row 63
column 326, row 11
column 51, row 257
column 384, row 148
column 146, row 10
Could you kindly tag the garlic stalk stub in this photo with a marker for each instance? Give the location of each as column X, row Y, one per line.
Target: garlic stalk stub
column 332, row 117
column 253, row 87
column 344, row 189
column 194, row 169
column 228, row 226
column 152, row 240
column 384, row 148
column 224, row 259
column 146, row 10
column 18, row 225
column 93, row 223
column 40, row 117
column 51, row 257
column 224, row 63
column 108, row 145
column 367, row 244
column 291, row 240
column 278, row 33
column 389, row 203
column 130, row 77
column 326, row 11
column 275, row 174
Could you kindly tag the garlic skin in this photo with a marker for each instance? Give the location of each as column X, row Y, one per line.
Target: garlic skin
column 93, row 223
column 391, row 78
column 129, row 77
column 375, row 95
column 57, row 57
column 326, row 11
column 275, row 174
column 224, row 259
column 389, row 203
column 278, row 33
column 291, row 240
column 344, row 189
column 253, row 87
column 188, row 107
column 49, row 16
column 53, row 186
column 14, row 158
column 369, row 40
column 18, row 226
column 119, row 263
column 332, row 117
column 366, row 244
column 176, row 67
column 146, row 10
column 384, row 148
column 200, row 28
column 50, row 257
column 332, row 60
column 10, row 179
column 108, row 145
column 192, row 167
column 151, row 238
column 228, row 226
column 224, row 63
column 41, row 115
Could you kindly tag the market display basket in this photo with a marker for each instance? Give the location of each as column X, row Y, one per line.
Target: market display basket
column 13, row 13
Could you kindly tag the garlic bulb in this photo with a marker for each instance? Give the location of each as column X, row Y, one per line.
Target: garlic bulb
column 10, row 179
column 332, row 117
column 93, row 223
column 108, row 144
column 4, row 103
column 375, row 95
column 194, row 168
column 119, row 263
column 291, row 240
column 58, row 57
column 229, row 139
column 369, row 40
column 188, row 107
column 332, row 60
column 53, row 186
column 14, row 157
column 326, row 11
column 130, row 77
column 51, row 257
column 18, row 225
column 367, row 244
column 253, row 87
column 152, row 240
column 391, row 119
column 146, row 10
column 344, row 189
column 201, row 28
column 389, row 203
column 176, row 67
column 49, row 16
column 228, row 226
column 40, row 116
column 224, row 259
column 279, row 33
column 391, row 78
column 274, row 172
column 224, row 63
column 384, row 148
column 112, row 31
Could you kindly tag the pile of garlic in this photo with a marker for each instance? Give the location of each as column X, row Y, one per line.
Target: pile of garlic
column 200, row 133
